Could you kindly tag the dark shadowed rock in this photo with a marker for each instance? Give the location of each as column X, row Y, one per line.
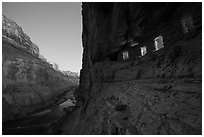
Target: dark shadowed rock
column 162, row 89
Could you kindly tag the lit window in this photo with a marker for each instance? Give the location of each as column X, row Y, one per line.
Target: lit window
column 187, row 24
column 143, row 50
column 158, row 43
column 125, row 55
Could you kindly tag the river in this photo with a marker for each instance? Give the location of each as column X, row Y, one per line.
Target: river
column 41, row 122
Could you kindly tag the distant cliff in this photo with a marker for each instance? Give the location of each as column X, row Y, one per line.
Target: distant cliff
column 69, row 73
column 28, row 82
column 73, row 76
column 12, row 32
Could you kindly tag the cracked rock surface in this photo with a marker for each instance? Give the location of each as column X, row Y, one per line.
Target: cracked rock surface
column 159, row 93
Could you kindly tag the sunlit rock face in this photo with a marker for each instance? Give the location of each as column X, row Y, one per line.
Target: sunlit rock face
column 157, row 93
column 14, row 33
column 28, row 83
column 73, row 76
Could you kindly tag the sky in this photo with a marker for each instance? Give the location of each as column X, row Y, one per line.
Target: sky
column 54, row 26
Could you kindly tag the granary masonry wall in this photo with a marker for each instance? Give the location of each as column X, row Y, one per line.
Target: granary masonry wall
column 121, row 24
column 107, row 26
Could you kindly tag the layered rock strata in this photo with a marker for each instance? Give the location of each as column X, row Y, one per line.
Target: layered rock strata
column 28, row 83
column 158, row 93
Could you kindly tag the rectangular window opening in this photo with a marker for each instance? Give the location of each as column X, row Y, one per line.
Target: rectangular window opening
column 143, row 50
column 125, row 55
column 187, row 24
column 158, row 43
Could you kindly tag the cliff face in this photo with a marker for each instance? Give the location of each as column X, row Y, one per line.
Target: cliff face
column 158, row 93
column 73, row 76
column 28, row 83
column 14, row 33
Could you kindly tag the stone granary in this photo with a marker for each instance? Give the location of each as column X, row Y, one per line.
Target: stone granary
column 134, row 45
column 125, row 92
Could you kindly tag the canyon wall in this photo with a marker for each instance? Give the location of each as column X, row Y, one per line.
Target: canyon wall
column 13, row 32
column 156, row 93
column 28, row 82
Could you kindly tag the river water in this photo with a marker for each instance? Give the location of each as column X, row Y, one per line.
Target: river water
column 40, row 122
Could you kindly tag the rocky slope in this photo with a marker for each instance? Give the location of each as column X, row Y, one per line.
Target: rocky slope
column 14, row 33
column 69, row 73
column 28, row 83
column 159, row 93
column 73, row 76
